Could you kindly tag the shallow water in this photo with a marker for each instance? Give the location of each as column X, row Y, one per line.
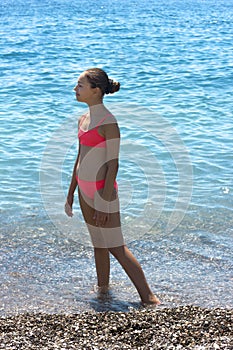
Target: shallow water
column 174, row 62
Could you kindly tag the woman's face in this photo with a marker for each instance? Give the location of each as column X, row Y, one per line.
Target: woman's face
column 84, row 91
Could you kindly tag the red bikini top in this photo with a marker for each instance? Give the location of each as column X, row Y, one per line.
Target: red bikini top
column 92, row 138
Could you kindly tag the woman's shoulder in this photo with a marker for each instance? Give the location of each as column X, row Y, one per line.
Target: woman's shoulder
column 110, row 127
column 110, row 119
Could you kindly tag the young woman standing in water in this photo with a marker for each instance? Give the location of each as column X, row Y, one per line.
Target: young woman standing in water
column 95, row 173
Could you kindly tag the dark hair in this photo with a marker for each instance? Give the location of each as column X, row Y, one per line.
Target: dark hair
column 98, row 78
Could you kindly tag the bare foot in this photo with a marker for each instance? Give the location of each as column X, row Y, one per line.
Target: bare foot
column 151, row 301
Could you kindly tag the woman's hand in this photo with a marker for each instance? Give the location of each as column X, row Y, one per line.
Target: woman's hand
column 68, row 205
column 101, row 215
column 100, row 218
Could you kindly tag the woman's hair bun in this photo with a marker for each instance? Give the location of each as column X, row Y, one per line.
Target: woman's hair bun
column 98, row 78
column 113, row 86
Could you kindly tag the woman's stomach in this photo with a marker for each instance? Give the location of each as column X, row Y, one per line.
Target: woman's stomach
column 92, row 164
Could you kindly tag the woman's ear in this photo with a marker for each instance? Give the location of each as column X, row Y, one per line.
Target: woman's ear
column 98, row 91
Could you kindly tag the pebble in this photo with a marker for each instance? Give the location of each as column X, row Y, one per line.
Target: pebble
column 185, row 327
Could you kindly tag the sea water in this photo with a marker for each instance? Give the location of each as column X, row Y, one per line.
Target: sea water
column 174, row 62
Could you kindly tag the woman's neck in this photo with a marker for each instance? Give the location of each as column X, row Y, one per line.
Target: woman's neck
column 97, row 111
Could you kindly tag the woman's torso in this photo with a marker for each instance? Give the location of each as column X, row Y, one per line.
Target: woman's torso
column 92, row 148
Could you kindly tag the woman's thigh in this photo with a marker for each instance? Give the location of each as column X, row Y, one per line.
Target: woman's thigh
column 88, row 208
column 107, row 236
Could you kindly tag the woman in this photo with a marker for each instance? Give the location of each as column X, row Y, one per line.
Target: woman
column 95, row 173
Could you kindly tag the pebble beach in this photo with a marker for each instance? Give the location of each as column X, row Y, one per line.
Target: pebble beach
column 184, row 327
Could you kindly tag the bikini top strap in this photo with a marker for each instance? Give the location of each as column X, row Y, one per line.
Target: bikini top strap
column 102, row 120
column 82, row 119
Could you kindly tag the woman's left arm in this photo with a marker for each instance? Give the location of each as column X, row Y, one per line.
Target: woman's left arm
column 112, row 136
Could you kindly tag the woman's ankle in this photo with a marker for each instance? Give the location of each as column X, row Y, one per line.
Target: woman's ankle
column 102, row 289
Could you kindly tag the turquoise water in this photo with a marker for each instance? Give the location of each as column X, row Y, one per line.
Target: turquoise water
column 174, row 62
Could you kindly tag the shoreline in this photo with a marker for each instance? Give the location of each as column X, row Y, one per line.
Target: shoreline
column 182, row 327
